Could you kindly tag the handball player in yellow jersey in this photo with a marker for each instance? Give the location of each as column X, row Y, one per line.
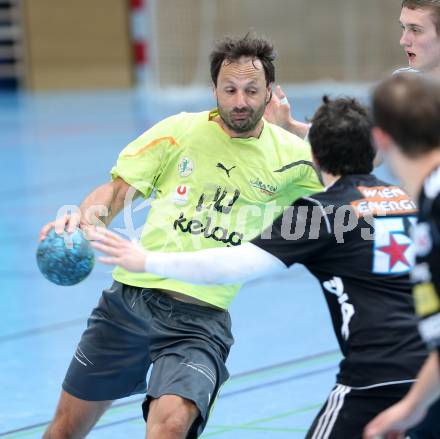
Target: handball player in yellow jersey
column 218, row 178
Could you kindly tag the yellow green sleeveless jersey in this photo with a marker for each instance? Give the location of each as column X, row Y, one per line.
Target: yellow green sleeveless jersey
column 210, row 190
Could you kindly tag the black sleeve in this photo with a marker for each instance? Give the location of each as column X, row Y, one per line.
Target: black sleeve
column 300, row 234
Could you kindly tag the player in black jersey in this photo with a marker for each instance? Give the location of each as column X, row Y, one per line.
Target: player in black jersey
column 354, row 238
column 407, row 115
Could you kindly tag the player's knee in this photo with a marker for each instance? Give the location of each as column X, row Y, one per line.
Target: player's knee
column 176, row 425
column 172, row 417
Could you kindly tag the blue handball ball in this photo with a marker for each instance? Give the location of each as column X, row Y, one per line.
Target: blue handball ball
column 65, row 261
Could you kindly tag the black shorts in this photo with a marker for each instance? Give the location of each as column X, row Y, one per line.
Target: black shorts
column 133, row 328
column 348, row 410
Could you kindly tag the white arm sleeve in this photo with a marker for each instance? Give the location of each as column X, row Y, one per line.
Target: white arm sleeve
column 223, row 265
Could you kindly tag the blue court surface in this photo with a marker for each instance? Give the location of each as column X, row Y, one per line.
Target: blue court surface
column 55, row 148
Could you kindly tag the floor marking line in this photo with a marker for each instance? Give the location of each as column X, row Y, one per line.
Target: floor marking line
column 221, row 396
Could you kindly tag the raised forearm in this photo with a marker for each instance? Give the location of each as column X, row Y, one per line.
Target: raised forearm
column 301, row 129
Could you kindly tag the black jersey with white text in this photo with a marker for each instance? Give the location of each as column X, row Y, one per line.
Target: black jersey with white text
column 354, row 238
column 426, row 273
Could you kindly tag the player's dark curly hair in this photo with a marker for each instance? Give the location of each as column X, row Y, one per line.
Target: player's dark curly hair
column 340, row 136
column 233, row 48
column 407, row 107
column 434, row 5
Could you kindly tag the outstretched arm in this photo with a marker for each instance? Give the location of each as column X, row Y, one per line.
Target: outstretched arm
column 211, row 266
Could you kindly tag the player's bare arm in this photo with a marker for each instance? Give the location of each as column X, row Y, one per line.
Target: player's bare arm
column 98, row 208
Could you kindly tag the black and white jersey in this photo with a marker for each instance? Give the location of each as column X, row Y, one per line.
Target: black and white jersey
column 354, row 238
column 426, row 273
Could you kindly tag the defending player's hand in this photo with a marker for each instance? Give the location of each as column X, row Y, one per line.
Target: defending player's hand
column 393, row 422
column 278, row 112
column 127, row 254
column 278, row 109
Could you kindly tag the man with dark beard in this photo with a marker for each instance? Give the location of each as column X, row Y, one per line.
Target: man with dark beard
column 213, row 174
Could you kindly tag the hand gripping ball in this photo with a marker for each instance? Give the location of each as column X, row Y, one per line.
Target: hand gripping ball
column 65, row 259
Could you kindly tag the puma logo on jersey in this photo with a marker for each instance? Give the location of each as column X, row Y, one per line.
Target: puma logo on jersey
column 222, row 166
column 336, row 287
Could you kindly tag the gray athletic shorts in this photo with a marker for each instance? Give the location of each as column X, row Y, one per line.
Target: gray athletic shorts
column 133, row 328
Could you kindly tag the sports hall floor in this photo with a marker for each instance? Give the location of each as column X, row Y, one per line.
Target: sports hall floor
column 54, row 148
